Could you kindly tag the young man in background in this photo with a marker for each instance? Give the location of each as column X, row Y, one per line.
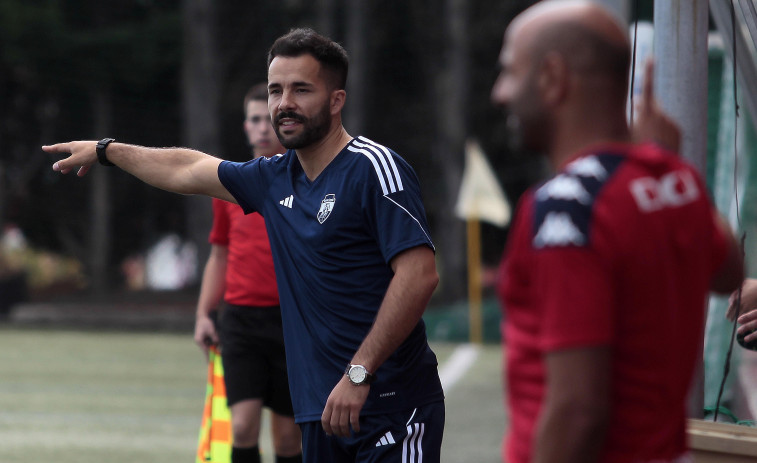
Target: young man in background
column 240, row 273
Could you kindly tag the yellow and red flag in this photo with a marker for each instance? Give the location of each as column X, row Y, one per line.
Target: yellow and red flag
column 214, row 444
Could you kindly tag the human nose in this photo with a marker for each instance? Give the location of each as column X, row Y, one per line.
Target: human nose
column 498, row 95
column 287, row 101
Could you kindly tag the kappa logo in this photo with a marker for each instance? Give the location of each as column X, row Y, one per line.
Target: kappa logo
column 588, row 167
column 566, row 188
column 327, row 205
column 558, row 230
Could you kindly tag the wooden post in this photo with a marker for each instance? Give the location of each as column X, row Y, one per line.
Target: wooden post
column 474, row 281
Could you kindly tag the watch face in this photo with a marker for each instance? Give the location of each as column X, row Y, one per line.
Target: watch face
column 357, row 374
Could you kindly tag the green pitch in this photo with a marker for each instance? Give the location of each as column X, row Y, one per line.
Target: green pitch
column 90, row 397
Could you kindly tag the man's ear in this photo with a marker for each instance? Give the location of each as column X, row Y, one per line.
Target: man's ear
column 554, row 78
column 338, row 98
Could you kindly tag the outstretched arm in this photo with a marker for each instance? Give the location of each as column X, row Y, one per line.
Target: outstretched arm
column 414, row 281
column 179, row 170
column 651, row 124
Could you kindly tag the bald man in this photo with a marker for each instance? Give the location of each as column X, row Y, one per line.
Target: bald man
column 609, row 262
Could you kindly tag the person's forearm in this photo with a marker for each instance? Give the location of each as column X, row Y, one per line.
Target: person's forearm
column 171, row 169
column 402, row 308
column 569, row 435
column 575, row 415
column 213, row 283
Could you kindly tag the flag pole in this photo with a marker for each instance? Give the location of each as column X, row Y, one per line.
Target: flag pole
column 480, row 198
column 475, row 319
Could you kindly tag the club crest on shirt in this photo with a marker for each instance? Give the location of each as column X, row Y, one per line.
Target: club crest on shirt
column 327, row 205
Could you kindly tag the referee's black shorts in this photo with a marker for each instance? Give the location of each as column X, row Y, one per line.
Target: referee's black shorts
column 252, row 351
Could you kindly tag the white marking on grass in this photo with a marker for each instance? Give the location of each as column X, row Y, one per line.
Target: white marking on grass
column 458, row 364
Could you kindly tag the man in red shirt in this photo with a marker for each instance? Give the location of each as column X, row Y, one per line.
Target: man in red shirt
column 240, row 271
column 608, row 263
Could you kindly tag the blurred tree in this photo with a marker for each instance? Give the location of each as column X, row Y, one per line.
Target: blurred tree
column 452, row 88
column 201, row 96
column 68, row 69
column 356, row 41
column 170, row 72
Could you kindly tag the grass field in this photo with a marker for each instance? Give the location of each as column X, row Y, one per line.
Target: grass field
column 92, row 397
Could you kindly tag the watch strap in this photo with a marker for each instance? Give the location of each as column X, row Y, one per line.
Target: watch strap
column 100, row 150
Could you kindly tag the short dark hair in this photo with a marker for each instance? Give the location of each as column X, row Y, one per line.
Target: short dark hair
column 304, row 41
column 258, row 92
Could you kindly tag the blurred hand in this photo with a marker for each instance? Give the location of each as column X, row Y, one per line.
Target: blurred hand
column 748, row 300
column 650, row 123
column 205, row 334
column 82, row 155
column 748, row 326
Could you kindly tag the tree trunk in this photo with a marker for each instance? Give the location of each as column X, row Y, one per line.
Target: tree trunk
column 201, row 96
column 449, row 150
column 359, row 78
column 325, row 19
column 3, row 193
column 99, row 239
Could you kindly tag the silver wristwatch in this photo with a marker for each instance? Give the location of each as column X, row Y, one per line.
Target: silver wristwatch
column 358, row 375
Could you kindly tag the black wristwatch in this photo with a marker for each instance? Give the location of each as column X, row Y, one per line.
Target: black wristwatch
column 100, row 150
column 358, row 375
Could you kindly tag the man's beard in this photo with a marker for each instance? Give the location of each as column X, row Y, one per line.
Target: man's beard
column 313, row 129
column 514, row 133
column 528, row 132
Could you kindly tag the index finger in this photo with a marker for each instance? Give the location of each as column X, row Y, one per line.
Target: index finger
column 747, row 317
column 57, row 148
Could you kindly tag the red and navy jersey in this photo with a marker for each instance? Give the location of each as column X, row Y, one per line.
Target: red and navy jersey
column 250, row 277
column 618, row 249
column 332, row 240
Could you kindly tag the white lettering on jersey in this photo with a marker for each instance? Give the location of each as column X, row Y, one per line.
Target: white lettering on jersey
column 588, row 167
column 672, row 190
column 564, row 187
column 558, row 229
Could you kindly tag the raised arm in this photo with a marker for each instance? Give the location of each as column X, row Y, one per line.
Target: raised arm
column 651, row 123
column 179, row 170
column 414, row 281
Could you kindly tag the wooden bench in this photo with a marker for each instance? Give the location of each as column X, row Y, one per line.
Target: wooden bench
column 722, row 442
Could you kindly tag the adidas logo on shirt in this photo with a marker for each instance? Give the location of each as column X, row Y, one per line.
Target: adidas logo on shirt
column 386, row 440
column 287, row 202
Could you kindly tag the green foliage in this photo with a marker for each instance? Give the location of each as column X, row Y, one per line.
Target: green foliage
column 54, row 56
column 58, row 57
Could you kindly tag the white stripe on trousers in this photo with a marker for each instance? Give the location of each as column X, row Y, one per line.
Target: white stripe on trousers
column 412, row 446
